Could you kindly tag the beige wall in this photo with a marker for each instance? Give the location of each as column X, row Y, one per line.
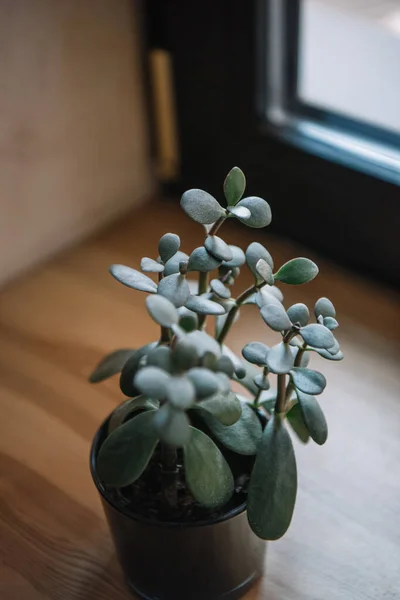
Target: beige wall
column 73, row 140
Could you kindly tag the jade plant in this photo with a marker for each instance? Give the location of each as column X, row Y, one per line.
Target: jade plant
column 180, row 402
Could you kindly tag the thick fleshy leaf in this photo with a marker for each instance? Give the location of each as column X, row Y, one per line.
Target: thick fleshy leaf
column 330, row 323
column 151, row 266
column 202, row 260
column 234, row 185
column 129, row 370
column 313, row 417
column 201, row 206
column 168, row 245
column 208, row 475
column 218, row 248
column 317, row 336
column 238, row 257
column 188, row 319
column 296, row 421
column 299, row 314
column 111, row 364
column 240, row 212
column 254, row 253
column 226, row 408
column 175, row 288
column 181, row 392
column 264, row 271
column 224, row 382
column 225, row 365
column 160, row 357
column 256, row 353
column 203, row 306
column 220, row 289
column 325, row 354
column 264, row 297
column 161, row 310
column 127, row 408
column 238, row 365
column 126, row 452
column 275, row 317
column 297, row 271
column 152, row 382
column 172, row 425
column 305, row 358
column 261, row 215
column 206, row 383
column 185, row 354
column 280, row 359
column 243, row 436
column 268, row 399
column 202, row 342
column 273, row 483
column 172, row 265
column 307, row 380
column 335, row 348
column 133, row 279
column 262, row 382
column 325, row 308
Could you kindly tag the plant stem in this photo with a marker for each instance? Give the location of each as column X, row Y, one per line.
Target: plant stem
column 258, row 395
column 233, row 312
column 216, row 226
column 203, row 283
column 297, row 363
column 169, row 474
column 281, row 397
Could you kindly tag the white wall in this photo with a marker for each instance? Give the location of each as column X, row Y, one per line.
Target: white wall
column 73, row 135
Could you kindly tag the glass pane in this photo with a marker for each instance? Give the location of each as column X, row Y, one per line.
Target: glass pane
column 349, row 59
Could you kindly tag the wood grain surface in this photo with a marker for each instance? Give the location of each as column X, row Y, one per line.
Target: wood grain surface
column 344, row 542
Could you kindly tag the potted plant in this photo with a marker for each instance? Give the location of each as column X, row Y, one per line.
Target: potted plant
column 194, row 477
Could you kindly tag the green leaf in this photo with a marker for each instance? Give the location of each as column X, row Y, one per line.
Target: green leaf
column 273, row 483
column 317, row 336
column 133, row 279
column 201, row 206
column 325, row 354
column 111, row 365
column 203, row 306
column 330, row 323
column 168, row 245
column 181, row 392
column 202, row 260
column 220, row 289
column 243, row 436
column 275, row 317
column 325, row 308
column 206, row 383
column 262, row 382
column 129, row 370
column 153, row 382
column 254, row 253
column 172, row 265
column 280, row 359
column 256, row 353
column 151, row 266
column 313, row 417
column 218, row 248
column 268, row 399
column 261, row 215
column 240, row 212
column 307, row 380
column 172, row 425
column 208, row 475
column 234, row 186
column 203, row 343
column 238, row 258
column 160, row 357
column 185, row 354
column 238, row 365
column 175, row 288
column 188, row 319
column 127, row 450
column 296, row 421
column 127, row 408
column 264, row 271
column 161, row 310
column 226, row 408
column 299, row 314
column 225, row 365
column 335, row 348
column 297, row 271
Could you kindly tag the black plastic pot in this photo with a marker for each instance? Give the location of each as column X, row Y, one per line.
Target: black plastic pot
column 217, row 560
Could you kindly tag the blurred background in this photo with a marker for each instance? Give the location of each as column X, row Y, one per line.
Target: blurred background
column 108, row 111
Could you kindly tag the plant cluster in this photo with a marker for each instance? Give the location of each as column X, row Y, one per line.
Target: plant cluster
column 188, row 372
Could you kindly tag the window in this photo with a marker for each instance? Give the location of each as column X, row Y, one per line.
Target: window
column 334, row 78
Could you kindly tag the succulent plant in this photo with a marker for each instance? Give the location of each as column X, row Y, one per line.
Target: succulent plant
column 186, row 375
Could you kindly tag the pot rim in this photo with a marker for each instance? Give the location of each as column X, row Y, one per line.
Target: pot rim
column 168, row 524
